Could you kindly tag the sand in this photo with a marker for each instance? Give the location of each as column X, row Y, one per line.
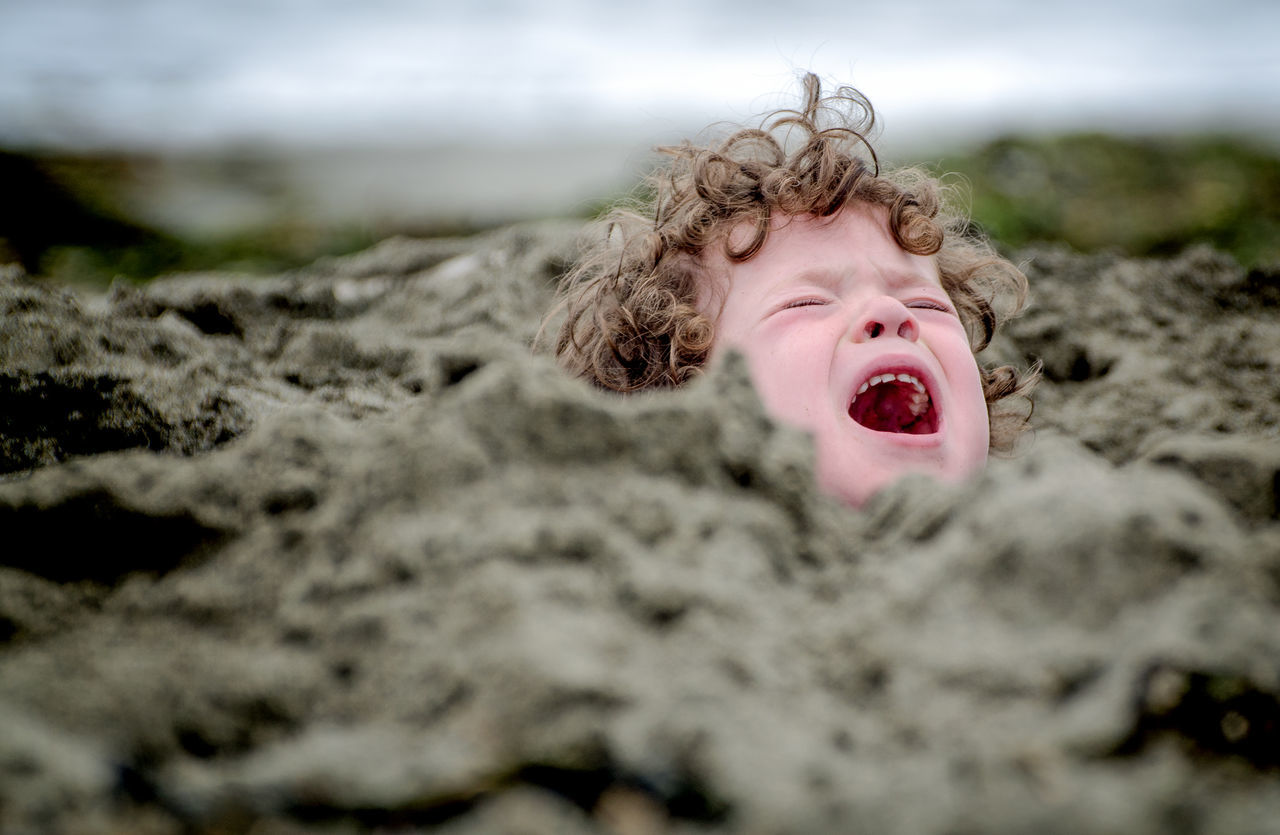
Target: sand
column 332, row 552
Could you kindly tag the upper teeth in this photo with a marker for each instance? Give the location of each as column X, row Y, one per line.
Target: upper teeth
column 919, row 401
column 889, row 378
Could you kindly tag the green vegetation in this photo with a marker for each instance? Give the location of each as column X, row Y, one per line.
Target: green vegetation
column 1138, row 196
column 78, row 219
column 72, row 219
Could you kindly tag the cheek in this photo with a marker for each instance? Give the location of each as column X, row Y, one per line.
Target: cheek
column 789, row 380
column 951, row 348
column 975, row 405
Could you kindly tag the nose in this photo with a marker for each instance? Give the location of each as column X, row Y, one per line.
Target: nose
column 885, row 316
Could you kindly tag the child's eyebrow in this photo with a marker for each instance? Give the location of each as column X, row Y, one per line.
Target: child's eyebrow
column 831, row 279
column 821, row 276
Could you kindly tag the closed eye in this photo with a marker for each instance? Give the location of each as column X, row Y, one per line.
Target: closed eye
column 809, row 302
column 930, row 304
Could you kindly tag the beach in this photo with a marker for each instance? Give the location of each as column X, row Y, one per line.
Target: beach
column 333, row 550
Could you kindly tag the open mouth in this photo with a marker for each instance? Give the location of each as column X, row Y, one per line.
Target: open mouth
column 895, row 402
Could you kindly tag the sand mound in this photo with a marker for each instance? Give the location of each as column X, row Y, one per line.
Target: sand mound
column 331, row 552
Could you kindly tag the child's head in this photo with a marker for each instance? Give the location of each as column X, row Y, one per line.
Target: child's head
column 857, row 298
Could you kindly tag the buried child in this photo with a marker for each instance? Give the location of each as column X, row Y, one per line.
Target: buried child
column 858, row 298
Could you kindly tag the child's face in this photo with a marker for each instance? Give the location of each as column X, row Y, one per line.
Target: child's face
column 831, row 315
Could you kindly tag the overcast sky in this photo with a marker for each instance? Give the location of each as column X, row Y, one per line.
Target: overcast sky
column 201, row 73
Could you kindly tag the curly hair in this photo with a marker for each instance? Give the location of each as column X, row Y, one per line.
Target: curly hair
column 632, row 319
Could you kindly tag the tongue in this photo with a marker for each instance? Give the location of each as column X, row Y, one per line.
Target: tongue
column 888, row 408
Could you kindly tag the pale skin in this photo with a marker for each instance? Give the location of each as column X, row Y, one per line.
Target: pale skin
column 852, row 339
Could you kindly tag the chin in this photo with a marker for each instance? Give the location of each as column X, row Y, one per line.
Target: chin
column 856, row 491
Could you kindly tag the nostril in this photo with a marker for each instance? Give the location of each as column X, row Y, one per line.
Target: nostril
column 874, row 329
column 907, row 330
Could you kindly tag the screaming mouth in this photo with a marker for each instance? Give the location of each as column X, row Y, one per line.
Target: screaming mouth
column 897, row 403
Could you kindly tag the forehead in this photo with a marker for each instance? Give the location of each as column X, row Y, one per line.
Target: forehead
column 853, row 245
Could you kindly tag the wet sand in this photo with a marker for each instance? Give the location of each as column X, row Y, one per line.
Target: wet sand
column 331, row 551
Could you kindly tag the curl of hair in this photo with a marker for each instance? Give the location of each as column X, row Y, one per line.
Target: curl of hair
column 631, row 303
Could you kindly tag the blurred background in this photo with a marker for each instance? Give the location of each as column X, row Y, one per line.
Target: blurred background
column 144, row 136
